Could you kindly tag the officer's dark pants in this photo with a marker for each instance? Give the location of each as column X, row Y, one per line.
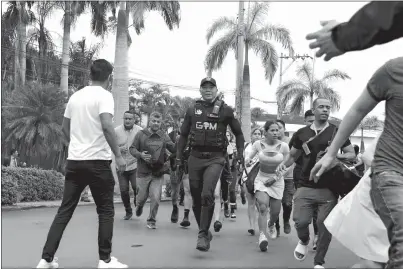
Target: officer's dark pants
column 203, row 177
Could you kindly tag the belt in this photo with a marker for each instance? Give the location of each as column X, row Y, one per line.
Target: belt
column 206, row 155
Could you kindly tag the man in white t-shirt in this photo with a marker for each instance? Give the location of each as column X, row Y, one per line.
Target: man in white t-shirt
column 87, row 124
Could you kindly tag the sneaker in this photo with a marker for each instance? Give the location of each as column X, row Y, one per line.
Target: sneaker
column 128, row 216
column 217, row 226
column 175, row 214
column 114, row 263
column 251, row 231
column 139, row 211
column 233, row 215
column 263, row 243
column 44, row 264
column 151, row 226
column 315, row 242
column 272, row 232
column 319, row 267
column 185, row 222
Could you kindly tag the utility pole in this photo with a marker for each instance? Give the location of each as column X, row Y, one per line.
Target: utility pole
column 282, row 72
column 240, row 58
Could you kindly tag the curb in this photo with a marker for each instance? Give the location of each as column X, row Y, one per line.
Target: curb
column 29, row 206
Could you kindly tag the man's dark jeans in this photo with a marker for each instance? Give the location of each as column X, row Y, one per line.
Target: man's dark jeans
column 125, row 179
column 306, row 200
column 386, row 196
column 98, row 175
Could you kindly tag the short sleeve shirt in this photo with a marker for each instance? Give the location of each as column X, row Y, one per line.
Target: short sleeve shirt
column 387, row 85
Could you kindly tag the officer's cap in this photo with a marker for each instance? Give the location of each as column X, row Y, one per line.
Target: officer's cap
column 208, row 79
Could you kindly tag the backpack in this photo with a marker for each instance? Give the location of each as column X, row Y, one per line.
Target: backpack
column 156, row 147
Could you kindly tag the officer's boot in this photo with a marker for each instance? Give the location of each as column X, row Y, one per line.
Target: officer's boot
column 197, row 213
column 205, row 236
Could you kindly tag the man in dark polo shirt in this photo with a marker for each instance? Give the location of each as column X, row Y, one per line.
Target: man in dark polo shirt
column 297, row 175
column 308, row 142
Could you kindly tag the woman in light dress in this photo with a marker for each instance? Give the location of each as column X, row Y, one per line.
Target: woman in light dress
column 268, row 186
column 256, row 135
column 356, row 225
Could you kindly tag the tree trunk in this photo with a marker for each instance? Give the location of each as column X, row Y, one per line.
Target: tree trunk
column 245, row 108
column 64, row 75
column 240, row 58
column 17, row 68
column 120, row 87
column 23, row 48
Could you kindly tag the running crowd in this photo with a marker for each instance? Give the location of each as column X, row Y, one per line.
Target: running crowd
column 314, row 176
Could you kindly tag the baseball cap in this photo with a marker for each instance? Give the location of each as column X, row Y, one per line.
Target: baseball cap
column 208, row 79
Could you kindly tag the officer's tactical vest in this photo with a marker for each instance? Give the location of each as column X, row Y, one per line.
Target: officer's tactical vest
column 208, row 127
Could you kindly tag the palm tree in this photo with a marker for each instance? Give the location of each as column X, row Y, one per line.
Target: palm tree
column 307, row 86
column 38, row 33
column 81, row 56
column 256, row 34
column 170, row 11
column 33, row 118
column 72, row 9
column 368, row 123
column 18, row 16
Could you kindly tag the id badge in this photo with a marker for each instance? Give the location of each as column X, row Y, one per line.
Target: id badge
column 306, row 149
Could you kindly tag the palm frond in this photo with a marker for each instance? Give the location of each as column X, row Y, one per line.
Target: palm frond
column 278, row 33
column 335, row 74
column 99, row 20
column 297, row 104
column 305, row 72
column 169, row 10
column 220, row 24
column 289, row 90
column 257, row 15
column 219, row 50
column 268, row 56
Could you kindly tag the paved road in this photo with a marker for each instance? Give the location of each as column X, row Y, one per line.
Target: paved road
column 24, row 233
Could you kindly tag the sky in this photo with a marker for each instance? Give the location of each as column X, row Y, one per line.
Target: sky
column 176, row 57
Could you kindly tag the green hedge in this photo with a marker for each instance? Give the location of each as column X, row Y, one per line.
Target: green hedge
column 30, row 184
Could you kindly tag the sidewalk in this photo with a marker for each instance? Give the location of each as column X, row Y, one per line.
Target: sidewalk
column 56, row 203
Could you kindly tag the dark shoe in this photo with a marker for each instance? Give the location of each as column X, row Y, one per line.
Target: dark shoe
column 185, row 222
column 217, row 226
column 128, row 216
column 139, row 211
column 151, row 226
column 251, row 231
column 287, row 227
column 174, row 215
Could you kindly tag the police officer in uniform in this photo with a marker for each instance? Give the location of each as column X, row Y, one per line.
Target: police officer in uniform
column 205, row 126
